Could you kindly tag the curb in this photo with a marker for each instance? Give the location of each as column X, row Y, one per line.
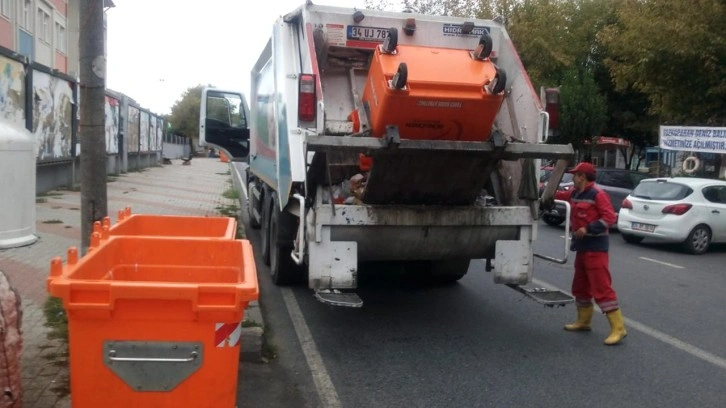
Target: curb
column 253, row 336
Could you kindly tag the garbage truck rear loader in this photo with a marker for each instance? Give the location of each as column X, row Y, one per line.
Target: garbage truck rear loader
column 383, row 136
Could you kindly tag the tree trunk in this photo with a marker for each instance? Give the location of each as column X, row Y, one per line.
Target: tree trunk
column 92, row 97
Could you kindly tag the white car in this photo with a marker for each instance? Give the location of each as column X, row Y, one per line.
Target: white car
column 688, row 210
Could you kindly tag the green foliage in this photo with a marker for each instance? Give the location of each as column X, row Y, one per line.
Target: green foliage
column 56, row 319
column 674, row 52
column 232, row 194
column 184, row 116
column 582, row 108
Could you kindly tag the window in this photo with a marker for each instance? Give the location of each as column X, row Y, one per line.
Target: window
column 615, row 179
column 5, row 8
column 661, row 190
column 60, row 37
column 715, row 194
column 43, row 26
column 25, row 18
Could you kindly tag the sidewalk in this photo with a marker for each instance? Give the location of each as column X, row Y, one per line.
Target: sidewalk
column 172, row 189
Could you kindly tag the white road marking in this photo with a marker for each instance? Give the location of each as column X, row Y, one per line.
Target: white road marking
column 658, row 335
column 662, row 263
column 323, row 384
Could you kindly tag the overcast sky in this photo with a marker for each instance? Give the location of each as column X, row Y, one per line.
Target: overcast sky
column 159, row 48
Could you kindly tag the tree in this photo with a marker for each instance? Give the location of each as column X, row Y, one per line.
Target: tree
column 674, row 52
column 184, row 116
column 582, row 108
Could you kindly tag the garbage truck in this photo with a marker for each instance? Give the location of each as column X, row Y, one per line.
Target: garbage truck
column 384, row 136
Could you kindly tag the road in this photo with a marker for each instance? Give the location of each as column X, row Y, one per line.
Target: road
column 477, row 344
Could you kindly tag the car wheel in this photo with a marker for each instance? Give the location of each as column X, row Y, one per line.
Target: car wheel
column 553, row 221
column 632, row 239
column 698, row 240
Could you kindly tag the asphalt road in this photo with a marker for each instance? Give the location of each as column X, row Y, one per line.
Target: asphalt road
column 477, row 344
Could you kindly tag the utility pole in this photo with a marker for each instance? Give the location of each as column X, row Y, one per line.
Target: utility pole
column 94, row 206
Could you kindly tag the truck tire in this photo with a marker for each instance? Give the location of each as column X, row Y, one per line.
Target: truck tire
column 265, row 231
column 283, row 226
column 253, row 203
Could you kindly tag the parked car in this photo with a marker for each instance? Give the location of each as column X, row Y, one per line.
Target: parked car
column 691, row 211
column 617, row 183
column 545, row 172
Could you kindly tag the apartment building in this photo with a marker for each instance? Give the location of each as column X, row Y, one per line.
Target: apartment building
column 44, row 31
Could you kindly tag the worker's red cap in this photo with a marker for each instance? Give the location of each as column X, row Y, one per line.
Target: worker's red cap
column 583, row 167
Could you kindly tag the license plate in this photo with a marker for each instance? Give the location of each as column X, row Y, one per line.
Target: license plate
column 637, row 226
column 360, row 33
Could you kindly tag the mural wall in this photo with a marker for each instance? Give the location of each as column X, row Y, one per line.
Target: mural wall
column 52, row 116
column 112, row 121
column 133, row 130
column 159, row 134
column 12, row 91
column 144, row 132
column 152, row 133
column 34, row 97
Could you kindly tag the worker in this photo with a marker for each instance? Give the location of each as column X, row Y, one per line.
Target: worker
column 590, row 218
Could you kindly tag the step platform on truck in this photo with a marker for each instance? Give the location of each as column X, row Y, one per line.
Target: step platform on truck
column 545, row 296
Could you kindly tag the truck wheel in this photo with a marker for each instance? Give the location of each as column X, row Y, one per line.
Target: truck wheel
column 698, row 240
column 253, row 203
column 265, row 232
column 283, row 226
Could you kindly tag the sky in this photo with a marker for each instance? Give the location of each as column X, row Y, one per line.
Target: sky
column 157, row 49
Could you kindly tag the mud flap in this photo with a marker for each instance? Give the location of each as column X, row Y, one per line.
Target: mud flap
column 332, row 264
column 513, row 262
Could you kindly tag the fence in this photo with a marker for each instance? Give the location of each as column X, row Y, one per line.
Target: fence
column 45, row 102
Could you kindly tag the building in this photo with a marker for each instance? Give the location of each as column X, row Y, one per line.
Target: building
column 43, row 31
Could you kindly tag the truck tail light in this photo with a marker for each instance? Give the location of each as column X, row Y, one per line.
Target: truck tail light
column 306, row 98
column 626, row 204
column 677, row 209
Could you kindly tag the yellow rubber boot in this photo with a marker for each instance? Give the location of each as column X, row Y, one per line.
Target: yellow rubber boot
column 617, row 328
column 584, row 317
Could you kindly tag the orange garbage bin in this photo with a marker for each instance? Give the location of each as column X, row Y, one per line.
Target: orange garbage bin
column 168, row 226
column 155, row 322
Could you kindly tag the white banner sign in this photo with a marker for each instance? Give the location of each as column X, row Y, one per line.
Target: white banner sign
column 693, row 138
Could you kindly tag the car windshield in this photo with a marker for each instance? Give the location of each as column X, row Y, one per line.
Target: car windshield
column 660, row 190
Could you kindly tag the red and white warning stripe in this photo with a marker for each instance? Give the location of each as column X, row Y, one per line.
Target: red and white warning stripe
column 227, row 334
